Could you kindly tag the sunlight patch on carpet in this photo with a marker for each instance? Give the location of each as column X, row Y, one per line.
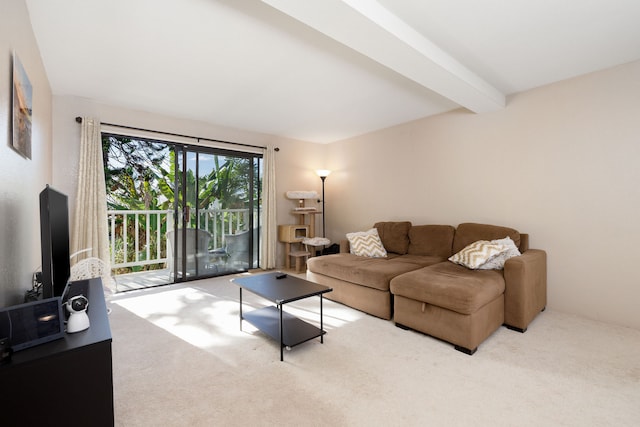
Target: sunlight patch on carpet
column 215, row 324
column 206, row 314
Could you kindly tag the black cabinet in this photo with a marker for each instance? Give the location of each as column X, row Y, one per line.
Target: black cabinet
column 66, row 382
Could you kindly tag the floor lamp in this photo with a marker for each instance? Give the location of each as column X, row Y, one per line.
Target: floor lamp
column 323, row 174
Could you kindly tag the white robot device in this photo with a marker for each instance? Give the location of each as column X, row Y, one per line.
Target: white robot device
column 78, row 319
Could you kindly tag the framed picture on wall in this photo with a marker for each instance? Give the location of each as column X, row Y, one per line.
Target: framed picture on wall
column 22, row 109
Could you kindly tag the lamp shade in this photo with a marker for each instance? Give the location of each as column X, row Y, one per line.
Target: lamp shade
column 323, row 173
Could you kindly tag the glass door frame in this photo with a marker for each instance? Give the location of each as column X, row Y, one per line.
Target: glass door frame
column 182, row 218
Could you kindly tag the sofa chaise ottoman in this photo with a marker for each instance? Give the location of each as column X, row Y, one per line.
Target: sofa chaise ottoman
column 464, row 306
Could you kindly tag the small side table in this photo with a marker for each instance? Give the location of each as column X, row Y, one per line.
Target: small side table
column 273, row 320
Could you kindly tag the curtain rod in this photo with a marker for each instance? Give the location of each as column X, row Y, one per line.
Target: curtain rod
column 79, row 120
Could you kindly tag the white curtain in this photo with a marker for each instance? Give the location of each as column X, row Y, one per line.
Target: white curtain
column 90, row 221
column 269, row 238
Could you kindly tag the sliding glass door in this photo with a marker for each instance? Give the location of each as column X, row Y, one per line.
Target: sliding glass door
column 179, row 212
column 216, row 212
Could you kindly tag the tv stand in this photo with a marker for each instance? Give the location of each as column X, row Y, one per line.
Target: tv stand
column 64, row 382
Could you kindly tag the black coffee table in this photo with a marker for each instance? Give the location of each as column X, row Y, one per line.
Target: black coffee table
column 273, row 321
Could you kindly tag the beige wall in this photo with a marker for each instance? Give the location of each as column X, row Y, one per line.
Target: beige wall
column 295, row 162
column 560, row 163
column 21, row 179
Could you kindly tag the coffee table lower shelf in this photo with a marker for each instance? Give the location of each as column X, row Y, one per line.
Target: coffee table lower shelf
column 294, row 331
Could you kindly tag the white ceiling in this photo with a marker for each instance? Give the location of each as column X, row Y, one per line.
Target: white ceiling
column 324, row 70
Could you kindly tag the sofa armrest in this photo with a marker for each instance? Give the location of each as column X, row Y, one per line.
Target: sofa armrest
column 525, row 293
column 344, row 246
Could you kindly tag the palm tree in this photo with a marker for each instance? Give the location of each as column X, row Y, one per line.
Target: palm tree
column 142, row 175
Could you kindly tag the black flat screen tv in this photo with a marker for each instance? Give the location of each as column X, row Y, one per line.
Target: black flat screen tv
column 54, row 240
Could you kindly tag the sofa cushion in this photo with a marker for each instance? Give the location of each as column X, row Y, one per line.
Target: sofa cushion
column 450, row 286
column 468, row 233
column 394, row 235
column 431, row 240
column 371, row 272
column 366, row 243
column 422, row 260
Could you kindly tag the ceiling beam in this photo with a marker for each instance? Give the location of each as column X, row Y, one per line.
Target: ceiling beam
column 372, row 30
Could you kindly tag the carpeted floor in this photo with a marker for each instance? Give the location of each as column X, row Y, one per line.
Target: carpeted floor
column 180, row 359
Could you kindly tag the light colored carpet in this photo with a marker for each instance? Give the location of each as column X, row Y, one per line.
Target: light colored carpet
column 180, row 359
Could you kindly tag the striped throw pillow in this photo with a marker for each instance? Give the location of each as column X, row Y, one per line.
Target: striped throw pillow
column 366, row 243
column 498, row 261
column 478, row 253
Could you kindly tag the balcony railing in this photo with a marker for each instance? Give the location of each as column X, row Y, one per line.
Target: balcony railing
column 137, row 238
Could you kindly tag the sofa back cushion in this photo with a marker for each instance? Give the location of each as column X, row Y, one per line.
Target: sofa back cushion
column 431, row 240
column 394, row 235
column 468, row 233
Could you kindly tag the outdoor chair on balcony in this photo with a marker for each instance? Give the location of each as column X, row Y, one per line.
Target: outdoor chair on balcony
column 197, row 259
column 237, row 249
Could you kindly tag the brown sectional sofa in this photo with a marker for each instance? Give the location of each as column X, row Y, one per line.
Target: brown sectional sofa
column 420, row 289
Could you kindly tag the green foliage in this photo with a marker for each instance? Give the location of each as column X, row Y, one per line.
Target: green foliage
column 143, row 175
column 142, row 254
